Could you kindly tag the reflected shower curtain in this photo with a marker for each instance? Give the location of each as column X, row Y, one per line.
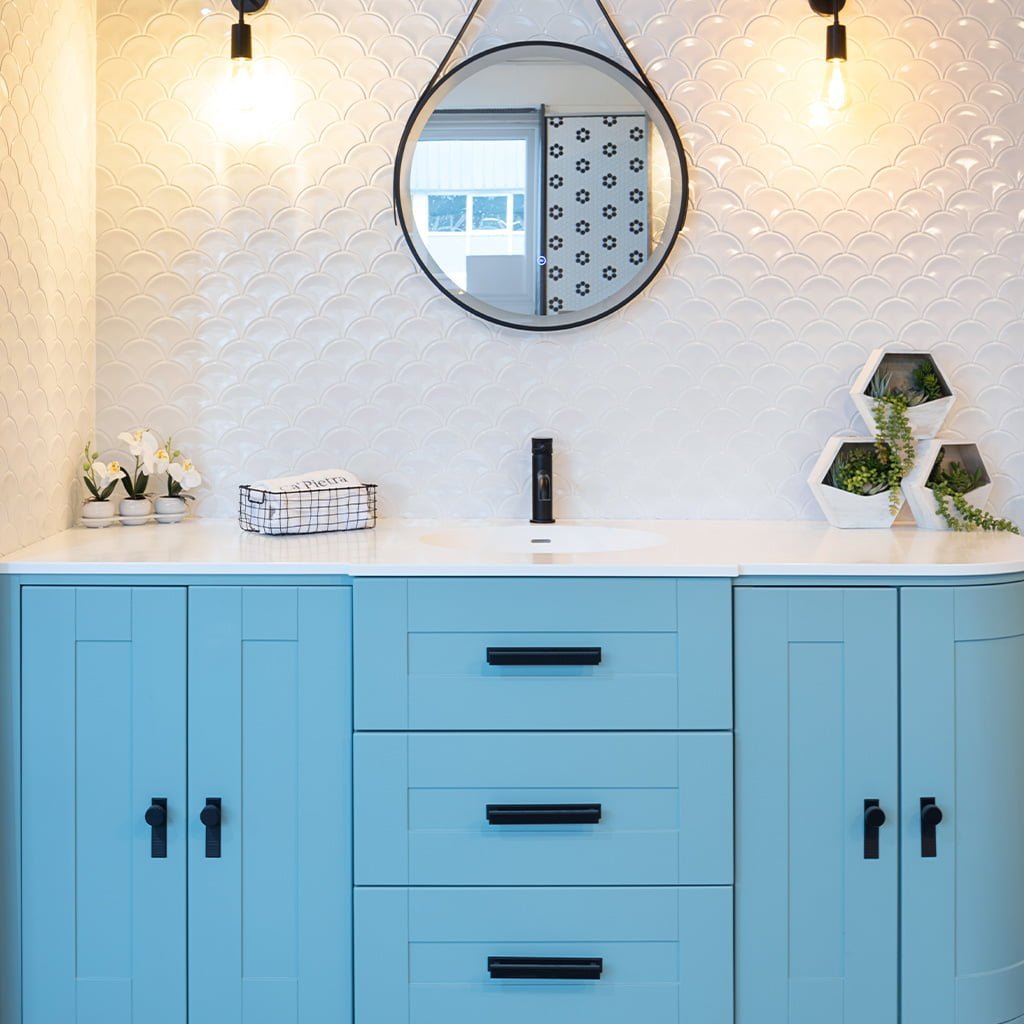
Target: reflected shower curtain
column 597, row 222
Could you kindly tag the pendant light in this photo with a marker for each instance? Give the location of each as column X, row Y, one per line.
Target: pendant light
column 835, row 93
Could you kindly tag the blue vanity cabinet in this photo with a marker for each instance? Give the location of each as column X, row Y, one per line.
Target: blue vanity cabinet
column 103, row 702
column 816, row 737
column 962, row 715
column 231, row 698
column 269, row 918
column 543, row 801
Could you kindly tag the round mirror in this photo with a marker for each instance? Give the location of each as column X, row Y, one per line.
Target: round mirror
column 540, row 185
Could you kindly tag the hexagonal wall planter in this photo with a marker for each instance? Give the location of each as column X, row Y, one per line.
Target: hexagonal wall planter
column 920, row 496
column 841, row 508
column 926, row 419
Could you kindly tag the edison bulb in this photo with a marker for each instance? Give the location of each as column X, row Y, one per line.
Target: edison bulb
column 836, row 95
column 241, row 87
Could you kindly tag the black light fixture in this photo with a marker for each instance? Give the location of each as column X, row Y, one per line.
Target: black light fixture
column 241, row 34
column 835, row 94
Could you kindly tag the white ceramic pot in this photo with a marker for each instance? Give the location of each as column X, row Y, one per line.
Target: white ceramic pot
column 96, row 514
column 170, row 510
column 134, row 511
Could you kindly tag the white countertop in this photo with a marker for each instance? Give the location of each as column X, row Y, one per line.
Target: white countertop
column 396, row 548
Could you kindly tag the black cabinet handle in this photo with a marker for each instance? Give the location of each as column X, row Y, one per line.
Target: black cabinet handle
column 543, row 655
column 931, row 815
column 874, row 819
column 210, row 816
column 156, row 819
column 572, row 968
column 543, row 814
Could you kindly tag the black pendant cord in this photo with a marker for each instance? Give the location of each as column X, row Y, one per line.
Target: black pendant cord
column 641, row 74
column 460, row 35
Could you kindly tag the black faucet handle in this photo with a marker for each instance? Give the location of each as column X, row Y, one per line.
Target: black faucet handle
column 542, row 446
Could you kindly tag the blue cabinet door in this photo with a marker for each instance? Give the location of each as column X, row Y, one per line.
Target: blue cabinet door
column 816, row 736
column 103, row 726
column 270, row 738
column 962, row 715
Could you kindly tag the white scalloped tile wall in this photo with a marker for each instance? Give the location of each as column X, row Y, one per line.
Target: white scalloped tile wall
column 257, row 299
column 47, row 270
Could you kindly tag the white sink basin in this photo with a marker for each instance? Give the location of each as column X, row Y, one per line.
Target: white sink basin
column 527, row 539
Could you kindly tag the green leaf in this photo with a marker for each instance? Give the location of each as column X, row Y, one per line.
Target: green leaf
column 91, row 487
column 108, row 490
column 141, row 484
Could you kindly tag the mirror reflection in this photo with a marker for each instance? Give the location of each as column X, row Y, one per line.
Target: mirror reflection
column 544, row 186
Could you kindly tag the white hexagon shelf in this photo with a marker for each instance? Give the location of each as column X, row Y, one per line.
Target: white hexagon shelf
column 892, row 369
column 939, row 453
column 843, row 508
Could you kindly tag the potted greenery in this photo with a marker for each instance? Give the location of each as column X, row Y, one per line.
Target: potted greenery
column 854, row 483
column 948, row 488
column 910, row 380
column 100, row 480
column 142, row 445
column 181, row 476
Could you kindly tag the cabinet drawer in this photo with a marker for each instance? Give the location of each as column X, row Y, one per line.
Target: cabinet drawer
column 520, row 808
column 543, row 654
column 425, row 955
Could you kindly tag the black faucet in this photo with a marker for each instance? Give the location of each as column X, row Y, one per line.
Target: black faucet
column 543, row 497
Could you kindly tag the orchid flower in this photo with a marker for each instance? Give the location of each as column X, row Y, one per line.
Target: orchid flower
column 142, row 445
column 100, row 478
column 182, row 476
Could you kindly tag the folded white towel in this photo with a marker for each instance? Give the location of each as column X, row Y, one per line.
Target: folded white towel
column 316, row 480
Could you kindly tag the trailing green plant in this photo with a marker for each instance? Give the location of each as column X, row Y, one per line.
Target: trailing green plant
column 894, row 443
column 858, row 471
column 950, row 483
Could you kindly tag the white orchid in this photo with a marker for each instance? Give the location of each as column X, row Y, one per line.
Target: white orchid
column 161, row 460
column 106, row 472
column 184, row 474
column 142, row 445
column 100, row 478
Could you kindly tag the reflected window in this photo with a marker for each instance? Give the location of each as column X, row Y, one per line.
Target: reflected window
column 446, row 213
column 475, row 187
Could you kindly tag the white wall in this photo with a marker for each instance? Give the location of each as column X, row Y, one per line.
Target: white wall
column 258, row 300
column 47, row 267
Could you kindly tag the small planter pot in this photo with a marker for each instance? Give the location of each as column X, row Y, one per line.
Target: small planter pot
column 921, row 497
column 170, row 510
column 134, row 511
column 925, row 420
column 841, row 508
column 97, row 514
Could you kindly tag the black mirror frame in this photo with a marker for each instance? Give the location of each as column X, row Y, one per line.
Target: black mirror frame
column 673, row 144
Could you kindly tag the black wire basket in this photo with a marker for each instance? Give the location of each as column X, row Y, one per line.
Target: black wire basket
column 328, row 510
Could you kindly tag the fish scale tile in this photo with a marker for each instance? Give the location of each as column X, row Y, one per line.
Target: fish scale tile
column 256, row 299
column 47, row 270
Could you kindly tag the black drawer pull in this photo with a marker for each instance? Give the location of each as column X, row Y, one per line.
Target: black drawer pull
column 543, row 814
column 931, row 815
column 156, row 819
column 211, row 816
column 874, row 819
column 543, row 655
column 573, row 968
